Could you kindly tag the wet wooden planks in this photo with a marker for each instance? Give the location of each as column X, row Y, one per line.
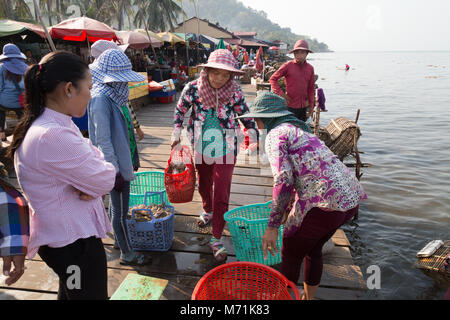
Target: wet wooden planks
column 189, row 257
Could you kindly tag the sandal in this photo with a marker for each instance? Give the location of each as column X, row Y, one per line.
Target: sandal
column 204, row 219
column 138, row 260
column 219, row 251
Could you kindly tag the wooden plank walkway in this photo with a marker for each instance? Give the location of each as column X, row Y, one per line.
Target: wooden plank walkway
column 189, row 257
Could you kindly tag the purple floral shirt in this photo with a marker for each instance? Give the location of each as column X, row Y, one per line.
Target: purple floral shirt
column 303, row 165
column 190, row 99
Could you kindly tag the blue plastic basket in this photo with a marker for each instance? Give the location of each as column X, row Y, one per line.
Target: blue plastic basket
column 247, row 225
column 155, row 235
column 147, row 181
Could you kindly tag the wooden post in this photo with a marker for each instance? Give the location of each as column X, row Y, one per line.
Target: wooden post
column 150, row 39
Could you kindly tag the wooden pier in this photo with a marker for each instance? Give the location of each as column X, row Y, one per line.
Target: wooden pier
column 189, row 257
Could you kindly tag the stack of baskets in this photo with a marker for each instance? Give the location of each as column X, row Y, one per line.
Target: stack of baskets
column 244, row 281
column 343, row 136
column 154, row 235
column 247, row 225
column 148, row 181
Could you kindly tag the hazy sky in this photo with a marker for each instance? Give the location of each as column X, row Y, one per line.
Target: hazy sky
column 365, row 25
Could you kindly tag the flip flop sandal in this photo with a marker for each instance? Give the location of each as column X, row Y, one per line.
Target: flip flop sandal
column 204, row 219
column 219, row 251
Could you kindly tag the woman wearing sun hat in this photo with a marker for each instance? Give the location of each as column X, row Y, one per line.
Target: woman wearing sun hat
column 299, row 77
column 12, row 69
column 215, row 99
column 327, row 193
column 111, row 130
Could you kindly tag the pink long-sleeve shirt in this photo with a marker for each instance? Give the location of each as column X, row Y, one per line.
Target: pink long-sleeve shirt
column 53, row 160
column 299, row 79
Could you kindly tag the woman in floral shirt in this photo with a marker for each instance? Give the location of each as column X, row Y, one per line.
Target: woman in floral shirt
column 327, row 194
column 214, row 99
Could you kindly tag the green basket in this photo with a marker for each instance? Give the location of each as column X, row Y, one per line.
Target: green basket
column 147, row 181
column 247, row 225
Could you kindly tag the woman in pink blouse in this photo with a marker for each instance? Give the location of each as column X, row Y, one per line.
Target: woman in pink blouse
column 63, row 176
column 327, row 193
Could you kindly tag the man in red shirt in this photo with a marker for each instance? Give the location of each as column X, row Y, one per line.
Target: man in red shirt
column 299, row 78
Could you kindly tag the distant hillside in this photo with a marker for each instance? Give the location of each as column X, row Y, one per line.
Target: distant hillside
column 235, row 16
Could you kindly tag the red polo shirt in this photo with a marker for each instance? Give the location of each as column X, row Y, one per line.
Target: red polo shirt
column 299, row 80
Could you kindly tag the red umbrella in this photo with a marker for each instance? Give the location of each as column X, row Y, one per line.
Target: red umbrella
column 78, row 29
column 259, row 57
column 273, row 48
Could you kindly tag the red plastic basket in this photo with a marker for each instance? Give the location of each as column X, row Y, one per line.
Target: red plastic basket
column 180, row 187
column 244, row 281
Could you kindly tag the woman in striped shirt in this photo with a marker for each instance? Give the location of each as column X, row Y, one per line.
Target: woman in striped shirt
column 63, row 176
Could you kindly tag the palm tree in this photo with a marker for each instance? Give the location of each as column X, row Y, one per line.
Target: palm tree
column 159, row 14
column 15, row 10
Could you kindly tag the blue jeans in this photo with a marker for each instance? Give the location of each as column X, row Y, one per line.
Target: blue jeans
column 118, row 209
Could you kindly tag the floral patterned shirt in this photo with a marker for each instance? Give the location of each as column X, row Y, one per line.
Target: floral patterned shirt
column 303, row 165
column 225, row 113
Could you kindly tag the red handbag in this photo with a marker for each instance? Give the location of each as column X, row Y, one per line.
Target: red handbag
column 180, row 186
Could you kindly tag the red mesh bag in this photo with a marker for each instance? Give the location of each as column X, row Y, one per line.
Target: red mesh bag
column 179, row 176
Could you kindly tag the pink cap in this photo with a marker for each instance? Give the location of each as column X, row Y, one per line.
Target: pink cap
column 301, row 45
column 222, row 59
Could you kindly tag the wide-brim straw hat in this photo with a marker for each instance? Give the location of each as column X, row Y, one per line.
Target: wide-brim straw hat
column 10, row 50
column 222, row 59
column 114, row 66
column 101, row 46
column 15, row 66
column 301, row 45
column 267, row 105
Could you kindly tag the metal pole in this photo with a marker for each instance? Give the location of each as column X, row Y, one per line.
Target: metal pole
column 49, row 39
column 186, row 41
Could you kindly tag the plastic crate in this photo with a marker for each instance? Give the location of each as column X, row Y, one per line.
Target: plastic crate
column 247, row 225
column 155, row 235
column 166, row 99
column 244, row 281
column 147, row 181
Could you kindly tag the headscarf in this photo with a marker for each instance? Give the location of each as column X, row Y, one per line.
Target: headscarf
column 117, row 91
column 214, row 98
column 270, row 123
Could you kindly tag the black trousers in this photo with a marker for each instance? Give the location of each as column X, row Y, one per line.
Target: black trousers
column 81, row 268
column 300, row 113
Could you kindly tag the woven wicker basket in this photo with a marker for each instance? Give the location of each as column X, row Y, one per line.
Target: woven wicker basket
column 437, row 260
column 343, row 133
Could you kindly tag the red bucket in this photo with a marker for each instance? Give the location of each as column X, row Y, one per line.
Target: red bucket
column 244, row 281
column 180, row 187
